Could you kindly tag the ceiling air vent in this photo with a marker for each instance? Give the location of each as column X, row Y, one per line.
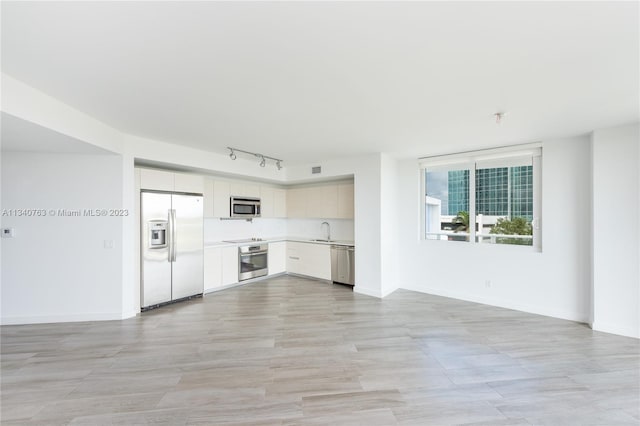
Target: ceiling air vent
column 316, row 170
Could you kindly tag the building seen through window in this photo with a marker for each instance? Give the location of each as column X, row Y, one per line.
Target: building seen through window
column 504, row 204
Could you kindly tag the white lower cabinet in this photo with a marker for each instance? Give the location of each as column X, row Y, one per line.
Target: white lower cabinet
column 212, row 268
column 220, row 267
column 277, row 257
column 313, row 260
column 229, row 265
column 309, row 259
column 293, row 258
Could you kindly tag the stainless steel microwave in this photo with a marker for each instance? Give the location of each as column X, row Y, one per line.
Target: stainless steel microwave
column 245, row 207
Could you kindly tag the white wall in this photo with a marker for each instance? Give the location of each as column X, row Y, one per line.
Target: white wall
column 57, row 268
column 389, row 224
column 29, row 104
column 616, row 225
column 130, row 238
column 341, row 229
column 220, row 230
column 1, row 223
column 216, row 230
column 161, row 152
column 554, row 282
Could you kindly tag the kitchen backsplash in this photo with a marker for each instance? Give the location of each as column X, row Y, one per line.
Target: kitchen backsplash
column 341, row 229
column 220, row 230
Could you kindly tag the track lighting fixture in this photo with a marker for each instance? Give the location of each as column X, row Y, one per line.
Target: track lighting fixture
column 263, row 158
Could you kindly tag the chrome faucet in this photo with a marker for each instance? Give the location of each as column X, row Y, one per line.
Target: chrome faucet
column 328, row 230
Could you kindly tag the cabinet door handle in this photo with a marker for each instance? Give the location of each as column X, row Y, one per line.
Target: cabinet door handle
column 294, row 258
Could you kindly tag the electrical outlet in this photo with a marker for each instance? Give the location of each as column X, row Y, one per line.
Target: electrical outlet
column 487, row 283
column 108, row 244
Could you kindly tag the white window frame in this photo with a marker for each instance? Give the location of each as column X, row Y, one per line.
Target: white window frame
column 469, row 161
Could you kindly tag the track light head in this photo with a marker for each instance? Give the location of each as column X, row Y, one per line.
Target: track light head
column 263, row 158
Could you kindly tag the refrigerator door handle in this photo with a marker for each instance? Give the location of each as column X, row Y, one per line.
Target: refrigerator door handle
column 169, row 236
column 172, row 220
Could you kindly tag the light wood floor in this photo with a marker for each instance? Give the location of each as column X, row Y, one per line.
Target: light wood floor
column 289, row 351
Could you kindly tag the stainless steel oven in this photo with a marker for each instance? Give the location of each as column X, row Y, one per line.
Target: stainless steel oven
column 252, row 261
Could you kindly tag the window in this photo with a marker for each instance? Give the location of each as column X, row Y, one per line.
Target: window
column 496, row 190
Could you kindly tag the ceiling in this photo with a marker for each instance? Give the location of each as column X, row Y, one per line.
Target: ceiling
column 310, row 81
column 23, row 136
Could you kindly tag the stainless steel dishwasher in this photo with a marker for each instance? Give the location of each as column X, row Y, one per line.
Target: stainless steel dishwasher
column 343, row 264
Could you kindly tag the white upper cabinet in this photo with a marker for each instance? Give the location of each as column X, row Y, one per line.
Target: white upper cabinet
column 188, row 183
column 273, row 202
column 161, row 180
column 156, row 179
column 280, row 202
column 345, row 201
column 221, row 199
column 321, row 202
column 329, row 197
column 313, row 202
column 208, row 197
column 252, row 190
column 267, row 202
column 242, row 189
column 273, row 199
column 297, row 202
column 329, row 201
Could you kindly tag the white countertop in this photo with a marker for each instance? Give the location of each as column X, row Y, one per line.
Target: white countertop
column 212, row 244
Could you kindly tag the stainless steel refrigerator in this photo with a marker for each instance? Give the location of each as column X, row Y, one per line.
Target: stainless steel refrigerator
column 172, row 247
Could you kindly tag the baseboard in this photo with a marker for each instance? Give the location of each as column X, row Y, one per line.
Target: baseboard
column 619, row 329
column 45, row 319
column 224, row 287
column 293, row 274
column 367, row 292
column 129, row 314
column 239, row 283
column 570, row 316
